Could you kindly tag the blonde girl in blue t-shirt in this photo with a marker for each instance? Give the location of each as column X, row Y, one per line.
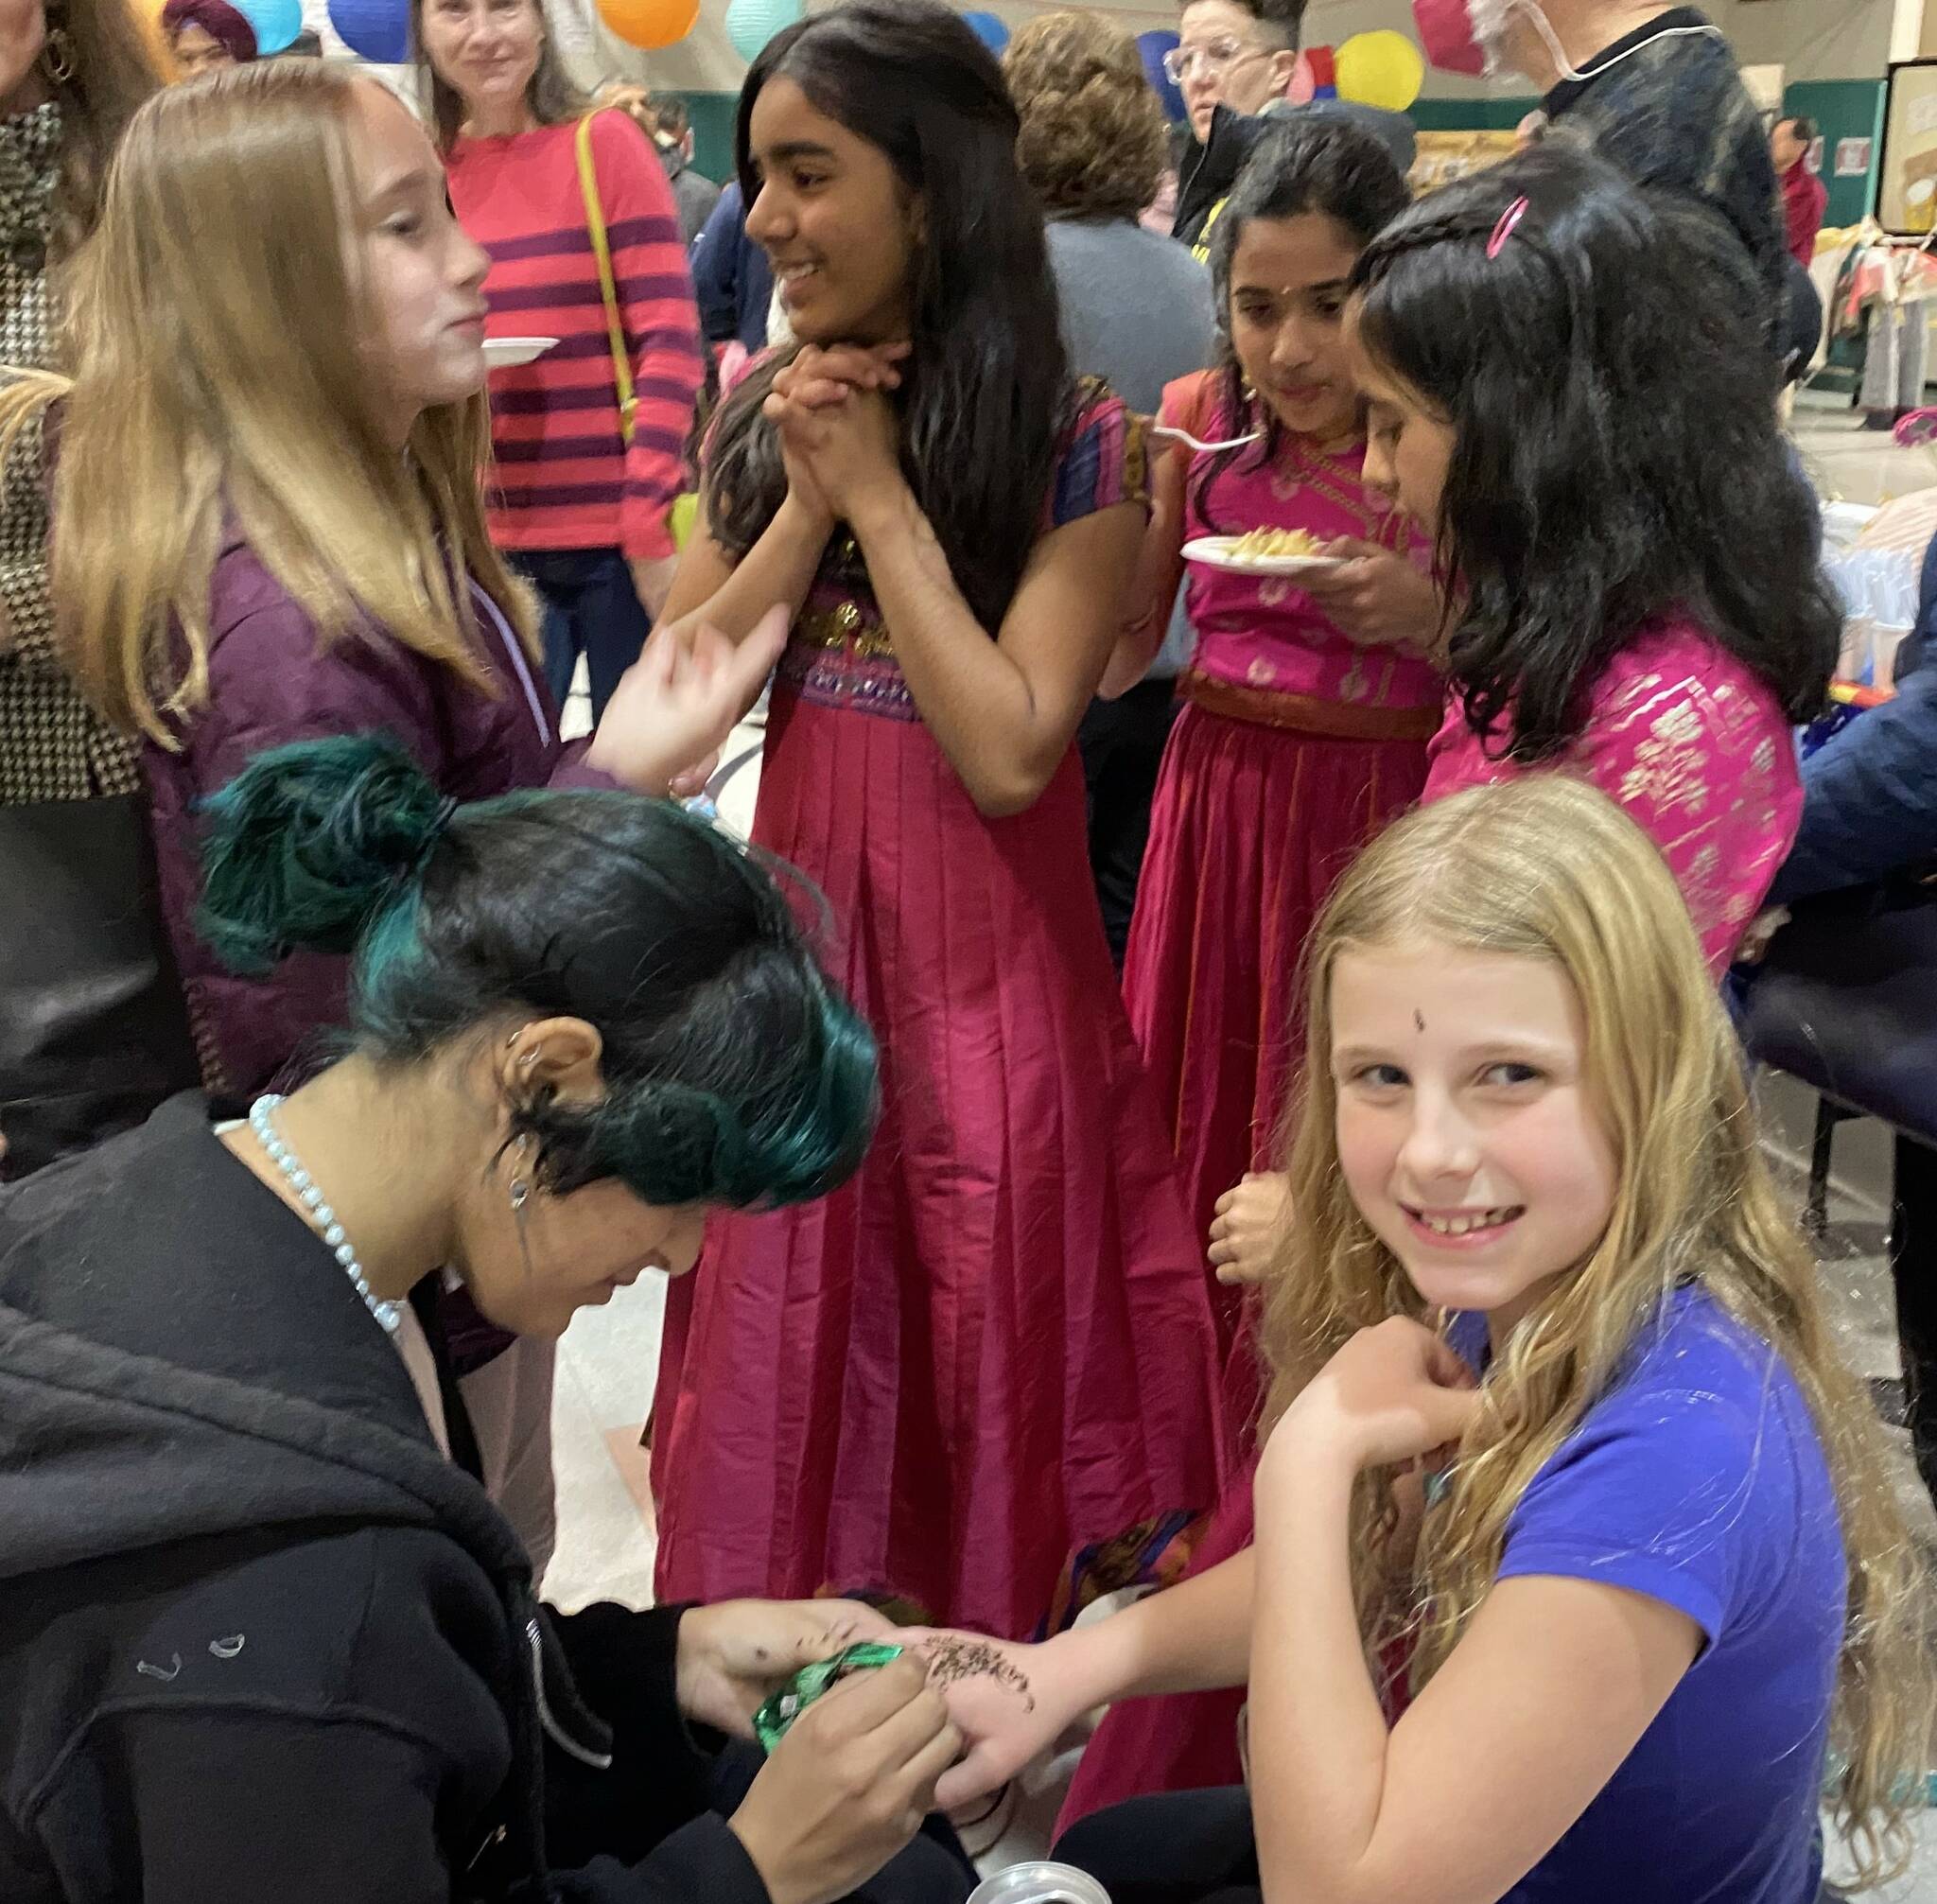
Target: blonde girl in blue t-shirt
column 1577, row 1572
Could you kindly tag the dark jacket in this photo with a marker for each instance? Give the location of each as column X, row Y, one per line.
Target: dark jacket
column 260, row 1642
column 694, row 194
column 1870, row 796
column 1675, row 116
column 731, row 277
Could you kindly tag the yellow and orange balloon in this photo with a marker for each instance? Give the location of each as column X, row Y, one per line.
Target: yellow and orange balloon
column 1382, row 69
column 649, row 23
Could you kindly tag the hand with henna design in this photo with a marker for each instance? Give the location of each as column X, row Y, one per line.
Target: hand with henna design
column 1009, row 1702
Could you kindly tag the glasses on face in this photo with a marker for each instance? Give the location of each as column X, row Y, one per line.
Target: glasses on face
column 1214, row 60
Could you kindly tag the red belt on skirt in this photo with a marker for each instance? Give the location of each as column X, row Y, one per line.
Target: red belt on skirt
column 1308, row 713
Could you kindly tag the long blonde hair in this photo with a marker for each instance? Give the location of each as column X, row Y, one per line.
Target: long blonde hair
column 1549, row 868
column 215, row 336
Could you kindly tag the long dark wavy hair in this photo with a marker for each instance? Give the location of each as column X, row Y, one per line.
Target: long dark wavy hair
column 1316, row 164
column 1617, row 453
column 987, row 392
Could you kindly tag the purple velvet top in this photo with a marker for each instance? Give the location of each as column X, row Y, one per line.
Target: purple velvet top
column 271, row 681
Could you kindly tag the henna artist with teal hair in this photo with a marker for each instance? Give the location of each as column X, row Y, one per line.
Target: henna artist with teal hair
column 262, row 1635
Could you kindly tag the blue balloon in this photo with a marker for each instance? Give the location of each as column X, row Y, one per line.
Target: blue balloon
column 378, row 29
column 276, row 22
column 988, row 29
column 1153, row 46
column 750, row 23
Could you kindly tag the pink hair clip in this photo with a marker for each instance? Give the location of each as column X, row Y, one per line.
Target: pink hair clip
column 1509, row 223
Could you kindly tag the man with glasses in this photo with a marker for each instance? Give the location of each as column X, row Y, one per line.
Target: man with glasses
column 1233, row 62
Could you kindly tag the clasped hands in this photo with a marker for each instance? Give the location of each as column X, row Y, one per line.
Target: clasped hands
column 840, row 437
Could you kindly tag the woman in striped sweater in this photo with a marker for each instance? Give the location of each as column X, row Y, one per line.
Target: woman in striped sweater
column 580, row 510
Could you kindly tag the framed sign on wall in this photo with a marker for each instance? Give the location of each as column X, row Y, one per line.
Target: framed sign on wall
column 1907, row 191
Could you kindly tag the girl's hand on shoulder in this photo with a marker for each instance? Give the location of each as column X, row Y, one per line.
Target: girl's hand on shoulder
column 1245, row 1227
column 1378, row 596
column 1392, row 1394
column 677, row 703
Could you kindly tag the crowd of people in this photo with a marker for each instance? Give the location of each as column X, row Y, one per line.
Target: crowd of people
column 1210, row 1075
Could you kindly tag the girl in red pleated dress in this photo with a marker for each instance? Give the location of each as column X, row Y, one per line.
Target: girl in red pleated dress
column 985, row 1368
column 1311, row 696
column 1307, row 710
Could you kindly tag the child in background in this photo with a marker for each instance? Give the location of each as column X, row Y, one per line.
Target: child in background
column 269, row 529
column 1306, row 715
column 1629, row 547
column 1310, row 702
column 1655, row 1583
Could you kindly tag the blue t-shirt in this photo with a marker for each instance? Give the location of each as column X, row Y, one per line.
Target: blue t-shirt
column 1699, row 1481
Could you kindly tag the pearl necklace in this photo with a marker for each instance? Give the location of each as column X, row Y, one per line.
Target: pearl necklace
column 320, row 1215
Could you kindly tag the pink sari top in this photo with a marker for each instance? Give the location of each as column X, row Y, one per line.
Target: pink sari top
column 1698, row 751
column 1264, row 632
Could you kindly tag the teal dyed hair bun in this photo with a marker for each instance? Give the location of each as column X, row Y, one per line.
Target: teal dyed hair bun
column 735, row 1073
column 308, row 842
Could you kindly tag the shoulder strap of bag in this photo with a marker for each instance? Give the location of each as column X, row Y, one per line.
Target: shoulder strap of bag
column 608, row 290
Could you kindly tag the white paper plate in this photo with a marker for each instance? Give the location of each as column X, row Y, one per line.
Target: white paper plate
column 507, row 353
column 1214, row 552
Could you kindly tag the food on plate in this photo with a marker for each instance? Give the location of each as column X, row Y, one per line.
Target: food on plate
column 1275, row 544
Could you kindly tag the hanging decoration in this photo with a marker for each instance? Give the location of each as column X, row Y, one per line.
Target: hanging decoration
column 1383, row 69
column 649, row 23
column 988, row 29
column 750, row 23
column 376, row 29
column 1153, row 46
column 276, row 22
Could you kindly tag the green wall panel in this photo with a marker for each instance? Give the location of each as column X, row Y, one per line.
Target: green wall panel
column 712, row 132
column 1844, row 109
column 1472, row 116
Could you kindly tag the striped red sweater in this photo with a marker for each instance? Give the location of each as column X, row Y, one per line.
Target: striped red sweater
column 565, row 479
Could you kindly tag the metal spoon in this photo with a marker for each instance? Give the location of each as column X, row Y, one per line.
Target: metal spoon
column 1183, row 436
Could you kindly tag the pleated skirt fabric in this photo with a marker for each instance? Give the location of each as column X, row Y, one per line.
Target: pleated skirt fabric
column 987, row 1368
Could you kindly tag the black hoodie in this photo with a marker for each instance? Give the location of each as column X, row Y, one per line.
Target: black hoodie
column 259, row 1640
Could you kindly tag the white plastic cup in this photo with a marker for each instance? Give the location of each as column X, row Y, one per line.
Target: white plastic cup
column 1041, row 1883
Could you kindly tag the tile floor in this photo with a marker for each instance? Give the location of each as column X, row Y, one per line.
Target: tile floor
column 609, row 1358
column 1850, row 463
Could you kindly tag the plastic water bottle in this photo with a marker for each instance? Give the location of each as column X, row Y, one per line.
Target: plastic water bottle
column 1041, row 1883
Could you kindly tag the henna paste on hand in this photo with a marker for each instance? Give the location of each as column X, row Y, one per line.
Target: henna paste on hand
column 951, row 1660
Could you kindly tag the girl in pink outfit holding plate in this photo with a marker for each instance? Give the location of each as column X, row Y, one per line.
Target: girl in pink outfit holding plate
column 1311, row 697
